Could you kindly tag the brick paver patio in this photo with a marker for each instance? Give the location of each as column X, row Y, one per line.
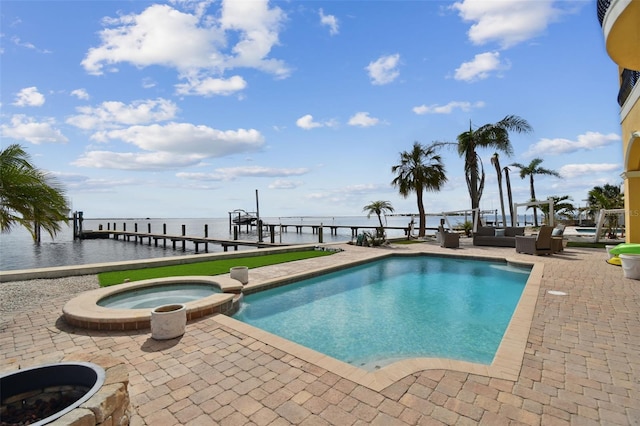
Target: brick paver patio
column 581, row 364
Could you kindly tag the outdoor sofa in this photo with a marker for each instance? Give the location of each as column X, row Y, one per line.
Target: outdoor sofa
column 497, row 237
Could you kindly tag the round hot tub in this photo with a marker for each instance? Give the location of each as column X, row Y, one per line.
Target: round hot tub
column 39, row 395
column 128, row 306
column 158, row 295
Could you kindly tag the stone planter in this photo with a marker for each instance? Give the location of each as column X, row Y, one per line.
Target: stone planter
column 168, row 321
column 630, row 265
column 240, row 273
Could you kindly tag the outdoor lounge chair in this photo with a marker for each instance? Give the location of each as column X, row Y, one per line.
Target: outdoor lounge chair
column 448, row 239
column 540, row 244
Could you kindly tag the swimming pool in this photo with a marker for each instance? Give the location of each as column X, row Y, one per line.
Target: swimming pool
column 395, row 308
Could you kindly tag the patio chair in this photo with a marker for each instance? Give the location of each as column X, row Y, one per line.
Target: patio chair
column 540, row 244
column 448, row 239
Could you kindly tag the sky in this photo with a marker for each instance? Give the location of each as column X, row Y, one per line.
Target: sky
column 188, row 108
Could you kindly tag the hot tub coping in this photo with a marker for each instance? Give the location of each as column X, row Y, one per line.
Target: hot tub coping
column 83, row 311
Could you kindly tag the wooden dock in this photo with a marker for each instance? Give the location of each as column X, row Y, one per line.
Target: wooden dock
column 333, row 229
column 142, row 237
column 180, row 241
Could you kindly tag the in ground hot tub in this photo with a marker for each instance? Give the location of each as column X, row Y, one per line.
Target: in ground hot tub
column 128, row 306
column 39, row 395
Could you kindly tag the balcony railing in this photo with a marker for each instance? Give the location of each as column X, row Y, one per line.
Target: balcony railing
column 629, row 80
column 603, row 6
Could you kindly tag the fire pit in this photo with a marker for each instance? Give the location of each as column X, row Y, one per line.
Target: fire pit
column 39, row 395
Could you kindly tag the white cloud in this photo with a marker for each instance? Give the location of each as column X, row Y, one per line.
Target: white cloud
column 186, row 138
column 257, row 28
column 113, row 114
column 284, row 184
column 148, row 83
column 135, row 161
column 306, row 122
column 507, row 22
column 16, row 40
column 242, row 35
column 212, row 86
column 575, row 170
column 330, row 21
column 480, row 67
column 80, row 94
column 27, row 129
column 347, row 193
column 448, row 108
column 363, row 119
column 231, row 173
column 27, row 45
column 160, row 35
column 384, row 69
column 29, row 96
column 585, row 142
column 201, row 177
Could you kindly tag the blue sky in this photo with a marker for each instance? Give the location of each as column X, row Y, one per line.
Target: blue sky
column 185, row 108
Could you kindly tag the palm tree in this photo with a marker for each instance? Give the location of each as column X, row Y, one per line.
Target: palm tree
column 509, row 195
column 562, row 207
column 379, row 208
column 30, row 197
column 487, row 136
column 606, row 197
column 495, row 160
column 420, row 169
column 530, row 170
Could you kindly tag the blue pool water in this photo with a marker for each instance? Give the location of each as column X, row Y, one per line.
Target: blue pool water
column 158, row 295
column 400, row 307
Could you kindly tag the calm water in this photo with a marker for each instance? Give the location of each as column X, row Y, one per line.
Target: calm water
column 17, row 250
column 397, row 308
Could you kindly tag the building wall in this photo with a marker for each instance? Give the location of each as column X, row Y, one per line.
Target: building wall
column 631, row 150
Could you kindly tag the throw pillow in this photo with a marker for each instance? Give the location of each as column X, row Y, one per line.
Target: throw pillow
column 556, row 232
column 500, row 232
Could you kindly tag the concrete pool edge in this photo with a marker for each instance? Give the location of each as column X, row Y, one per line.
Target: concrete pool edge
column 506, row 365
column 83, row 310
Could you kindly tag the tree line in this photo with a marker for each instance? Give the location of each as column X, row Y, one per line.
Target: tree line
column 421, row 169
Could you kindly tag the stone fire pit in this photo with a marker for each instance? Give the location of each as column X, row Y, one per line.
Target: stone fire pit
column 85, row 390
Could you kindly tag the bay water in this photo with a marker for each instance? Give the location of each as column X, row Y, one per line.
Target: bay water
column 18, row 251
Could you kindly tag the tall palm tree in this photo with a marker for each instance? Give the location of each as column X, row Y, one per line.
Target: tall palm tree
column 420, row 169
column 531, row 170
column 509, row 195
column 495, row 160
column 30, row 197
column 494, row 136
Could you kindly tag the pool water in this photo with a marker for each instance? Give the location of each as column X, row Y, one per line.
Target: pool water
column 158, row 295
column 401, row 307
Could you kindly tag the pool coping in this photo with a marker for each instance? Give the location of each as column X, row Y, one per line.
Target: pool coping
column 83, row 310
column 505, row 365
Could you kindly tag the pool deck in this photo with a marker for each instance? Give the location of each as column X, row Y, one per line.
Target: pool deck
column 581, row 363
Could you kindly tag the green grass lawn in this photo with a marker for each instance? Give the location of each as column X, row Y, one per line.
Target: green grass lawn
column 212, row 267
column 586, row 244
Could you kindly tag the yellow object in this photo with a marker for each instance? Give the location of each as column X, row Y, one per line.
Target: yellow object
column 615, row 261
